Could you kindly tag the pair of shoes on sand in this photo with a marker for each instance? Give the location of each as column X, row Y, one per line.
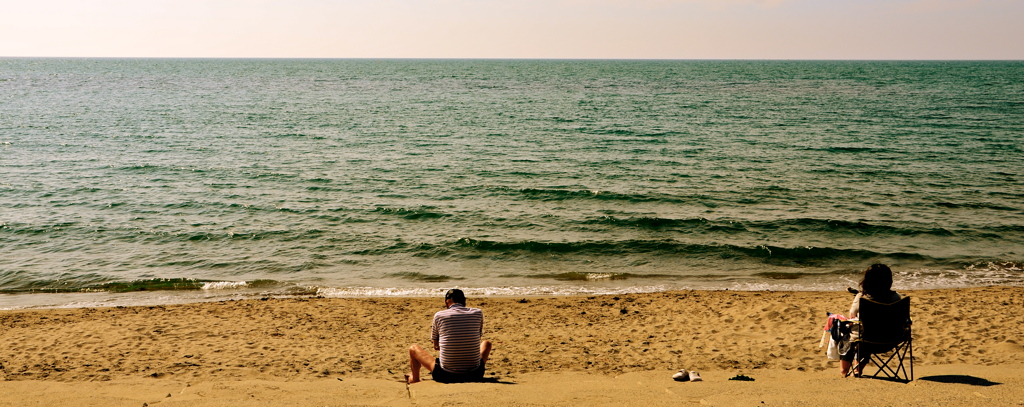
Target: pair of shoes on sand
column 683, row 376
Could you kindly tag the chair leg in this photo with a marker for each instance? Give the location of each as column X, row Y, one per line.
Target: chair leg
column 910, row 359
column 907, row 357
column 883, row 364
column 899, row 355
column 859, row 367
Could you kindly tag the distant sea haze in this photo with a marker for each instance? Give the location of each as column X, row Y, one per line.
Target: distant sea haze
column 127, row 181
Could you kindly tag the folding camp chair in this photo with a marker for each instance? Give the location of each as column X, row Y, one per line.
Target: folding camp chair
column 885, row 339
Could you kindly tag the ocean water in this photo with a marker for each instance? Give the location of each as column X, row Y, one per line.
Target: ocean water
column 126, row 181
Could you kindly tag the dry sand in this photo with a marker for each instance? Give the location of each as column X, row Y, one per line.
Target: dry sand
column 601, row 350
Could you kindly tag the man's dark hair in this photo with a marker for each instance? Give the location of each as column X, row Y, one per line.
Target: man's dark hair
column 456, row 295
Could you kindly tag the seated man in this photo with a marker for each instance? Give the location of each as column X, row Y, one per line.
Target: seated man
column 456, row 334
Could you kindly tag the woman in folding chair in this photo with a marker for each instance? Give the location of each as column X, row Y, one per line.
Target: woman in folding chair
column 877, row 286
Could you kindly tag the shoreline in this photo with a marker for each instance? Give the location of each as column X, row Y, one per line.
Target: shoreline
column 352, row 340
column 241, row 291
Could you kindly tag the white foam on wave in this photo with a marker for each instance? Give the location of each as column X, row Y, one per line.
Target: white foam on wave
column 1008, row 275
column 224, row 285
column 974, row 276
column 995, row 274
column 107, row 299
column 346, row 292
column 512, row 291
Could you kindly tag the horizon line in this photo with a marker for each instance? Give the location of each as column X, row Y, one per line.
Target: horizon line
column 525, row 58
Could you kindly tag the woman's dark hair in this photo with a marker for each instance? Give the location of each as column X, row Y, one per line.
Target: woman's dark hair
column 877, row 280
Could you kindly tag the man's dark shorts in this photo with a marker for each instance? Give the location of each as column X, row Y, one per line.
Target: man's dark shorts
column 443, row 376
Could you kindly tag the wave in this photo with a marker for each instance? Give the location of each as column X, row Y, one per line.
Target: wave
column 616, row 131
column 715, row 232
column 152, row 169
column 990, row 265
column 430, row 278
column 412, row 214
column 567, row 194
column 277, row 235
column 478, row 292
column 783, row 256
column 82, row 285
column 955, row 274
column 799, row 225
column 796, row 275
column 975, row 205
column 131, row 234
column 849, row 149
column 592, row 276
column 554, row 194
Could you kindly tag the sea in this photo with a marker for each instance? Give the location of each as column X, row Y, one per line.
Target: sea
column 160, row 181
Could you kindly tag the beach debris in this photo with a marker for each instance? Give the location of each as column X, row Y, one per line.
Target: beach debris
column 742, row 378
column 681, row 376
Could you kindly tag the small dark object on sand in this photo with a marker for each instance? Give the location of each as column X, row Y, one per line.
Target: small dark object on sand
column 742, row 378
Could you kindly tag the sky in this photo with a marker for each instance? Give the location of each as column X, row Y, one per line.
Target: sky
column 587, row 29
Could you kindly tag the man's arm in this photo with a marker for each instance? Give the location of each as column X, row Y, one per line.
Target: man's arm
column 435, row 335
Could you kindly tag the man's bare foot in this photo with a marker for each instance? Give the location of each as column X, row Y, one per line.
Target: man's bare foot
column 408, row 380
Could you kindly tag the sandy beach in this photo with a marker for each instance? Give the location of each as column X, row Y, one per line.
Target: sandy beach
column 600, row 350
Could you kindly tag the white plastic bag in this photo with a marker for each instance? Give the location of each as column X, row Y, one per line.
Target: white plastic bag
column 833, row 350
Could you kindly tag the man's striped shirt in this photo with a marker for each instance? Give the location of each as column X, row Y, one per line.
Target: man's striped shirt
column 457, row 330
